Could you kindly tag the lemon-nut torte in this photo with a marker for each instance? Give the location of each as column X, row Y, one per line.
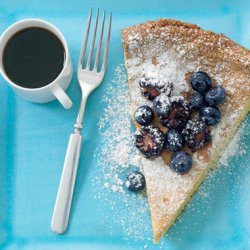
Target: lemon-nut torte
column 175, row 50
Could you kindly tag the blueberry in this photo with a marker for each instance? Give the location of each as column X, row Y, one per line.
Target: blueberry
column 144, row 115
column 201, row 81
column 178, row 115
column 196, row 134
column 210, row 115
column 135, row 181
column 149, row 140
column 181, row 162
column 197, row 101
column 173, row 140
column 215, row 95
column 162, row 104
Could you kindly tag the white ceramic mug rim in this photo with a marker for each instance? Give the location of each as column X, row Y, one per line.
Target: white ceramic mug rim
column 34, row 22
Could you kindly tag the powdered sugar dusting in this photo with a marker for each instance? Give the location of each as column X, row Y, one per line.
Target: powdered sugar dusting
column 117, row 156
column 168, row 66
column 235, row 146
column 175, row 50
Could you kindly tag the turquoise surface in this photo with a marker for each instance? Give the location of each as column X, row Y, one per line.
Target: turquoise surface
column 33, row 141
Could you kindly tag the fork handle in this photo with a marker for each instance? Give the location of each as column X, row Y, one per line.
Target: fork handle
column 65, row 192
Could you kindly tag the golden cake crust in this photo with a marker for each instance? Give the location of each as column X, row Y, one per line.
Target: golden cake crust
column 160, row 45
column 215, row 46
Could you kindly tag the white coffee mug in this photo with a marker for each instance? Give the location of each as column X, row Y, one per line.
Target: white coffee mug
column 55, row 89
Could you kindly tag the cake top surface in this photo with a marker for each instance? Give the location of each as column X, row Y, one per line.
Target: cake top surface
column 174, row 50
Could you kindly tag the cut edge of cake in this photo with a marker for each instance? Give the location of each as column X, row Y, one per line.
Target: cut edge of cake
column 158, row 234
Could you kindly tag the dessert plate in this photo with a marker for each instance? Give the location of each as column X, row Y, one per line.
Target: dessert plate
column 33, row 141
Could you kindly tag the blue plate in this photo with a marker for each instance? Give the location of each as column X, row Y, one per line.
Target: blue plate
column 33, row 141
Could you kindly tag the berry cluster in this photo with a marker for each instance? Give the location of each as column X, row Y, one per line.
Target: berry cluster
column 206, row 98
column 175, row 113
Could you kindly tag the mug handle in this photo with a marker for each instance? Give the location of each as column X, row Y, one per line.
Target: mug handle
column 62, row 97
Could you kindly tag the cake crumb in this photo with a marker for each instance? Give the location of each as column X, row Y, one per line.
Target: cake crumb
column 106, row 185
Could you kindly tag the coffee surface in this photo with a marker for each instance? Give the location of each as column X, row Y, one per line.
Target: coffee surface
column 33, row 57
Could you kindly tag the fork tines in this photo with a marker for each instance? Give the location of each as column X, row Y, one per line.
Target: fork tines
column 92, row 45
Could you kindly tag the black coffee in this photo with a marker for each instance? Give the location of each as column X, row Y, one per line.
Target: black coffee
column 33, row 57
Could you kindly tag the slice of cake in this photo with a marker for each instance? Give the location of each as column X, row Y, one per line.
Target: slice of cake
column 174, row 50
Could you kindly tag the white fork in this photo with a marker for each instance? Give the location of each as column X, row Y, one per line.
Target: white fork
column 88, row 79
